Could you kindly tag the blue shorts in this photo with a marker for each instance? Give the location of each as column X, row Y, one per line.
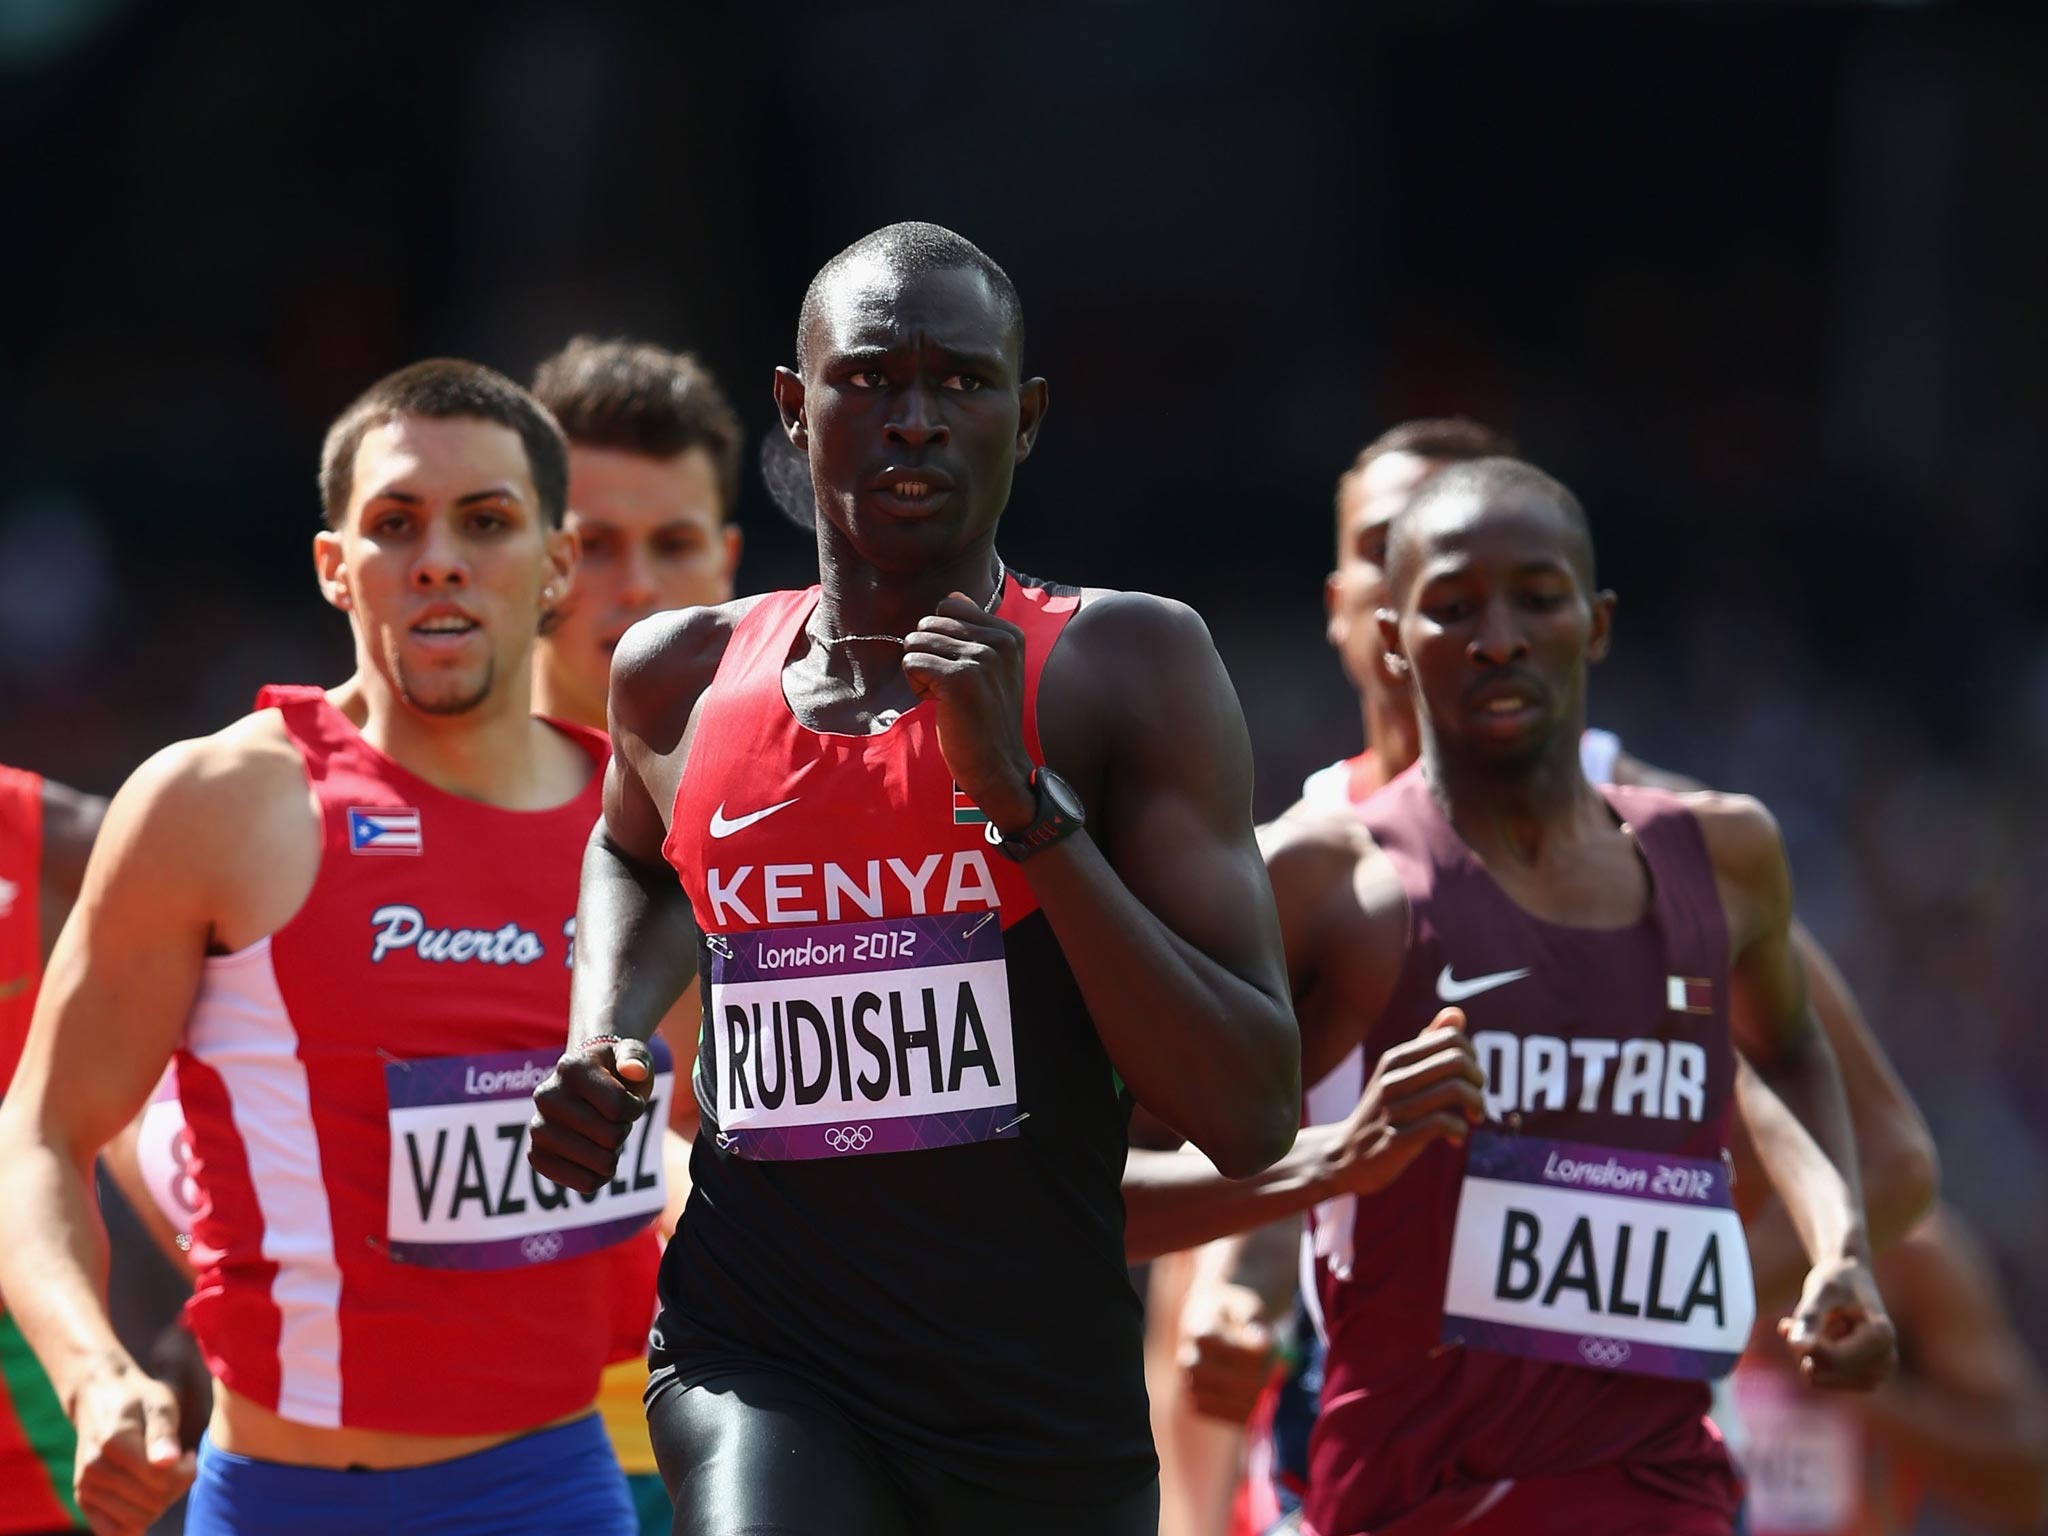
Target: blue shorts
column 561, row 1479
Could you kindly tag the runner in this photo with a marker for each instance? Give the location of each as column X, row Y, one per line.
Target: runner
column 922, row 942
column 46, row 831
column 349, row 916
column 654, row 471
column 1240, row 1313
column 654, row 468
column 1655, row 931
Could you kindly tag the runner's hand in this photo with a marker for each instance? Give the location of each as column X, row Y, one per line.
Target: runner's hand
column 1840, row 1334
column 1427, row 1089
column 1226, row 1350
column 971, row 664
column 130, row 1466
column 585, row 1110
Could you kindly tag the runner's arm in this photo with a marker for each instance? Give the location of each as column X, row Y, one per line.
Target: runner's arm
column 1162, row 906
column 1894, row 1150
column 1790, row 1094
column 119, row 989
column 1177, row 1200
column 636, row 941
column 1968, row 1408
column 1344, row 922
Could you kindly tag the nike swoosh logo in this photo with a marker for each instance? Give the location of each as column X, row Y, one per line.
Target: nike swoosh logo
column 1452, row 990
column 720, row 827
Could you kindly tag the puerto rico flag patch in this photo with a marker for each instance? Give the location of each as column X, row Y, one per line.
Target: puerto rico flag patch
column 383, row 829
column 965, row 812
column 1688, row 994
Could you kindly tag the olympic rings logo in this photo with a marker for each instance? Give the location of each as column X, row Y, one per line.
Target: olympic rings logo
column 1608, row 1354
column 542, row 1246
column 849, row 1138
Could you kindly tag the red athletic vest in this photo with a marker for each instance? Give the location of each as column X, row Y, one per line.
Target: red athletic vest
column 907, row 1181
column 1610, row 1079
column 373, row 1249
column 21, row 888
column 36, row 1443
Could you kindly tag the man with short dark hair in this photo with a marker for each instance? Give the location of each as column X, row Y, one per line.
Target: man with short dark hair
column 1537, row 987
column 966, row 857
column 348, row 916
column 654, row 471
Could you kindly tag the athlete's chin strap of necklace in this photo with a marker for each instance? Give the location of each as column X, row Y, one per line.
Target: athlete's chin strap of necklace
column 995, row 595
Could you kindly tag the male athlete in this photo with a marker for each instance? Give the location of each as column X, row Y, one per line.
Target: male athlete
column 1549, row 982
column 1228, row 1331
column 968, row 861
column 348, row 915
column 46, row 832
column 654, row 470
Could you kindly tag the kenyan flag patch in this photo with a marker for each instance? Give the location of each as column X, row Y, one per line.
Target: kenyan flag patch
column 965, row 812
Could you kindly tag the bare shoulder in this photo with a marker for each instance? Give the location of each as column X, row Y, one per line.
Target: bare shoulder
column 665, row 662
column 1144, row 668
column 1741, row 834
column 1629, row 769
column 1326, row 861
column 1109, row 623
column 205, row 821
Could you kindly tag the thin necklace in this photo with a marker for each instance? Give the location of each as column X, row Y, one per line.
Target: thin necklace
column 994, row 596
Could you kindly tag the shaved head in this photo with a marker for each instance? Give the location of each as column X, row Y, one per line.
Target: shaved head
column 901, row 251
column 1460, row 492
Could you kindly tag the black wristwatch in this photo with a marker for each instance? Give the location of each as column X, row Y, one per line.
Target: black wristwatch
column 1058, row 813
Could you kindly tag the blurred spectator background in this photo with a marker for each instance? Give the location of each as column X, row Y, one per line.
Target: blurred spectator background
column 1764, row 283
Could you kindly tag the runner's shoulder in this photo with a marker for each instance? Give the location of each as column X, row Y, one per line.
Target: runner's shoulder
column 1745, row 846
column 665, row 661
column 1146, row 661
column 1111, row 621
column 1325, row 856
column 211, row 802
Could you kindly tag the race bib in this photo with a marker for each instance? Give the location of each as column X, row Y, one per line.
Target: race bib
column 1593, row 1256
column 462, row 1193
column 852, row 1038
column 1802, row 1456
column 163, row 1151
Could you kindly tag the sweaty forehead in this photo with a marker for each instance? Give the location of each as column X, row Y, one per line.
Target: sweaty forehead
column 870, row 303
column 1512, row 528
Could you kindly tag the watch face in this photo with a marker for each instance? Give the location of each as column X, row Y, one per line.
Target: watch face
column 1060, row 795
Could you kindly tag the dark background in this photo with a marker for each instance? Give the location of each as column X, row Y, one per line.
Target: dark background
column 1763, row 283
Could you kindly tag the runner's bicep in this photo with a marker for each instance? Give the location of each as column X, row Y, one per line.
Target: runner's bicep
column 1179, row 801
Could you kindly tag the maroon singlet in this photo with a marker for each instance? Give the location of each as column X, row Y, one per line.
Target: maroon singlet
column 1419, row 1435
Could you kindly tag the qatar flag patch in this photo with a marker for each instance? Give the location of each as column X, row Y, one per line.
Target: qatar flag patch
column 1688, row 994
column 383, row 829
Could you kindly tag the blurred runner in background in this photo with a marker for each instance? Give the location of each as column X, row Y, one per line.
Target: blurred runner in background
column 654, row 470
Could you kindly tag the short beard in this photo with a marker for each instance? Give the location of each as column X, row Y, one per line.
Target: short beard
column 458, row 704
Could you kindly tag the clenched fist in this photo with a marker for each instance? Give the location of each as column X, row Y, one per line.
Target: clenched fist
column 971, row 665
column 130, row 1466
column 586, row 1109
column 1428, row 1089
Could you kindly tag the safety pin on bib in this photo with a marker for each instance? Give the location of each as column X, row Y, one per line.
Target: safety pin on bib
column 979, row 924
column 716, row 944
